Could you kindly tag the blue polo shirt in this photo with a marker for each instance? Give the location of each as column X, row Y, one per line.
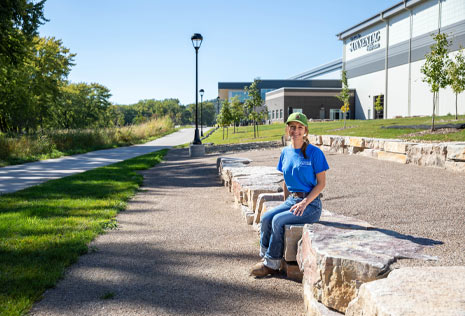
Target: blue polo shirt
column 300, row 173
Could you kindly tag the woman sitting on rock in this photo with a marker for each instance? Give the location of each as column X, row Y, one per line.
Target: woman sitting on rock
column 303, row 166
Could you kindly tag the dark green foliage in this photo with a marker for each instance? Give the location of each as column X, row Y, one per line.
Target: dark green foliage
column 19, row 20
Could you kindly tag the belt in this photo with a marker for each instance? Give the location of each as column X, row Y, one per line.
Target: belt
column 299, row 194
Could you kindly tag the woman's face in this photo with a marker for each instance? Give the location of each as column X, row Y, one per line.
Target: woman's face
column 296, row 130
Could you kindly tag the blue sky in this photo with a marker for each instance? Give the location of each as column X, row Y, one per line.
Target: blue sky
column 141, row 49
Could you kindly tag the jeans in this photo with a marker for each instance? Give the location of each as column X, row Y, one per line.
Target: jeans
column 272, row 228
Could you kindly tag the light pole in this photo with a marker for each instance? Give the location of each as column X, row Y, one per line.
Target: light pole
column 217, row 105
column 196, row 42
column 201, row 102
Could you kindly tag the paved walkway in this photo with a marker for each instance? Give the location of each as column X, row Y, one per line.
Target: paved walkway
column 18, row 177
column 181, row 248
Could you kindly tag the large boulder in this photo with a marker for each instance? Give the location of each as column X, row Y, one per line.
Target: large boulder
column 337, row 261
column 293, row 233
column 420, row 291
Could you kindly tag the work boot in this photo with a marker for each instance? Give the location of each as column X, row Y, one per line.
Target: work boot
column 261, row 270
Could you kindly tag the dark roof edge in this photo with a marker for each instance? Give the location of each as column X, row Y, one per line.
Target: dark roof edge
column 325, row 68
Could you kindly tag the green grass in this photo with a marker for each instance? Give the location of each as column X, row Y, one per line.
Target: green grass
column 45, row 228
column 365, row 128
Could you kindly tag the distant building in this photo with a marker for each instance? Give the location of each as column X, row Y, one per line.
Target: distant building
column 316, row 98
column 383, row 56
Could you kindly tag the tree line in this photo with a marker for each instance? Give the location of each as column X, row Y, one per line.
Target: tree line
column 35, row 93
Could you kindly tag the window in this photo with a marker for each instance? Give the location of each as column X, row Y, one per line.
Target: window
column 263, row 92
column 242, row 95
column 281, row 113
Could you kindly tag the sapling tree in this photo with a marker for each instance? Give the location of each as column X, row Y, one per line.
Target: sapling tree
column 225, row 117
column 434, row 69
column 344, row 96
column 253, row 103
column 456, row 73
column 378, row 106
column 237, row 112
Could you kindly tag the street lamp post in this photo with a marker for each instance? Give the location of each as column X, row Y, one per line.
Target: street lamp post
column 201, row 111
column 196, row 42
column 217, row 105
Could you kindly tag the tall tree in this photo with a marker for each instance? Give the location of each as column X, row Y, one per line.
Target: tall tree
column 456, row 72
column 344, row 96
column 434, row 68
column 29, row 90
column 19, row 21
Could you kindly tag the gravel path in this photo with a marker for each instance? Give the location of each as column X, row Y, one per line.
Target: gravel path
column 182, row 248
column 427, row 204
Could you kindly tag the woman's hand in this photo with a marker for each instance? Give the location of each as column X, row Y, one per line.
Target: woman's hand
column 299, row 208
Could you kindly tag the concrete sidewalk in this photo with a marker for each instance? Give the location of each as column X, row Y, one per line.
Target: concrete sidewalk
column 18, row 177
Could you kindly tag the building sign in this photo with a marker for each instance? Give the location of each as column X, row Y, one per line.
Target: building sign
column 370, row 41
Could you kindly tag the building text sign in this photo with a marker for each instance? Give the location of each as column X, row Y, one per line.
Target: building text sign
column 369, row 42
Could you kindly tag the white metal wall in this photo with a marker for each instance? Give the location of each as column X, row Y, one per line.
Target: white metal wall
column 367, row 86
column 425, row 20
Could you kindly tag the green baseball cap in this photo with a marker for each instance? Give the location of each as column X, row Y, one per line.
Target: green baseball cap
column 299, row 118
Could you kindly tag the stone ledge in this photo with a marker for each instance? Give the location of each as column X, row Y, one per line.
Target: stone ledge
column 449, row 156
column 414, row 292
column 336, row 261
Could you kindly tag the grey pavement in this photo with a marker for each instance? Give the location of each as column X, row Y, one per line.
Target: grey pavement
column 18, row 177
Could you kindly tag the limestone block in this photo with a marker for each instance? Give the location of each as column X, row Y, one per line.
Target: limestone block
column 262, row 198
column 432, row 155
column 370, row 143
column 221, row 161
column 312, row 306
column 247, row 214
column 292, row 271
column 273, row 186
column 455, row 166
column 397, row 147
column 292, row 235
column 354, row 150
column 267, row 205
column 356, row 142
column 325, row 148
column 338, row 144
column 326, row 140
column 315, row 139
column 400, row 158
column 372, row 153
column 337, row 261
column 456, row 152
column 413, row 291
